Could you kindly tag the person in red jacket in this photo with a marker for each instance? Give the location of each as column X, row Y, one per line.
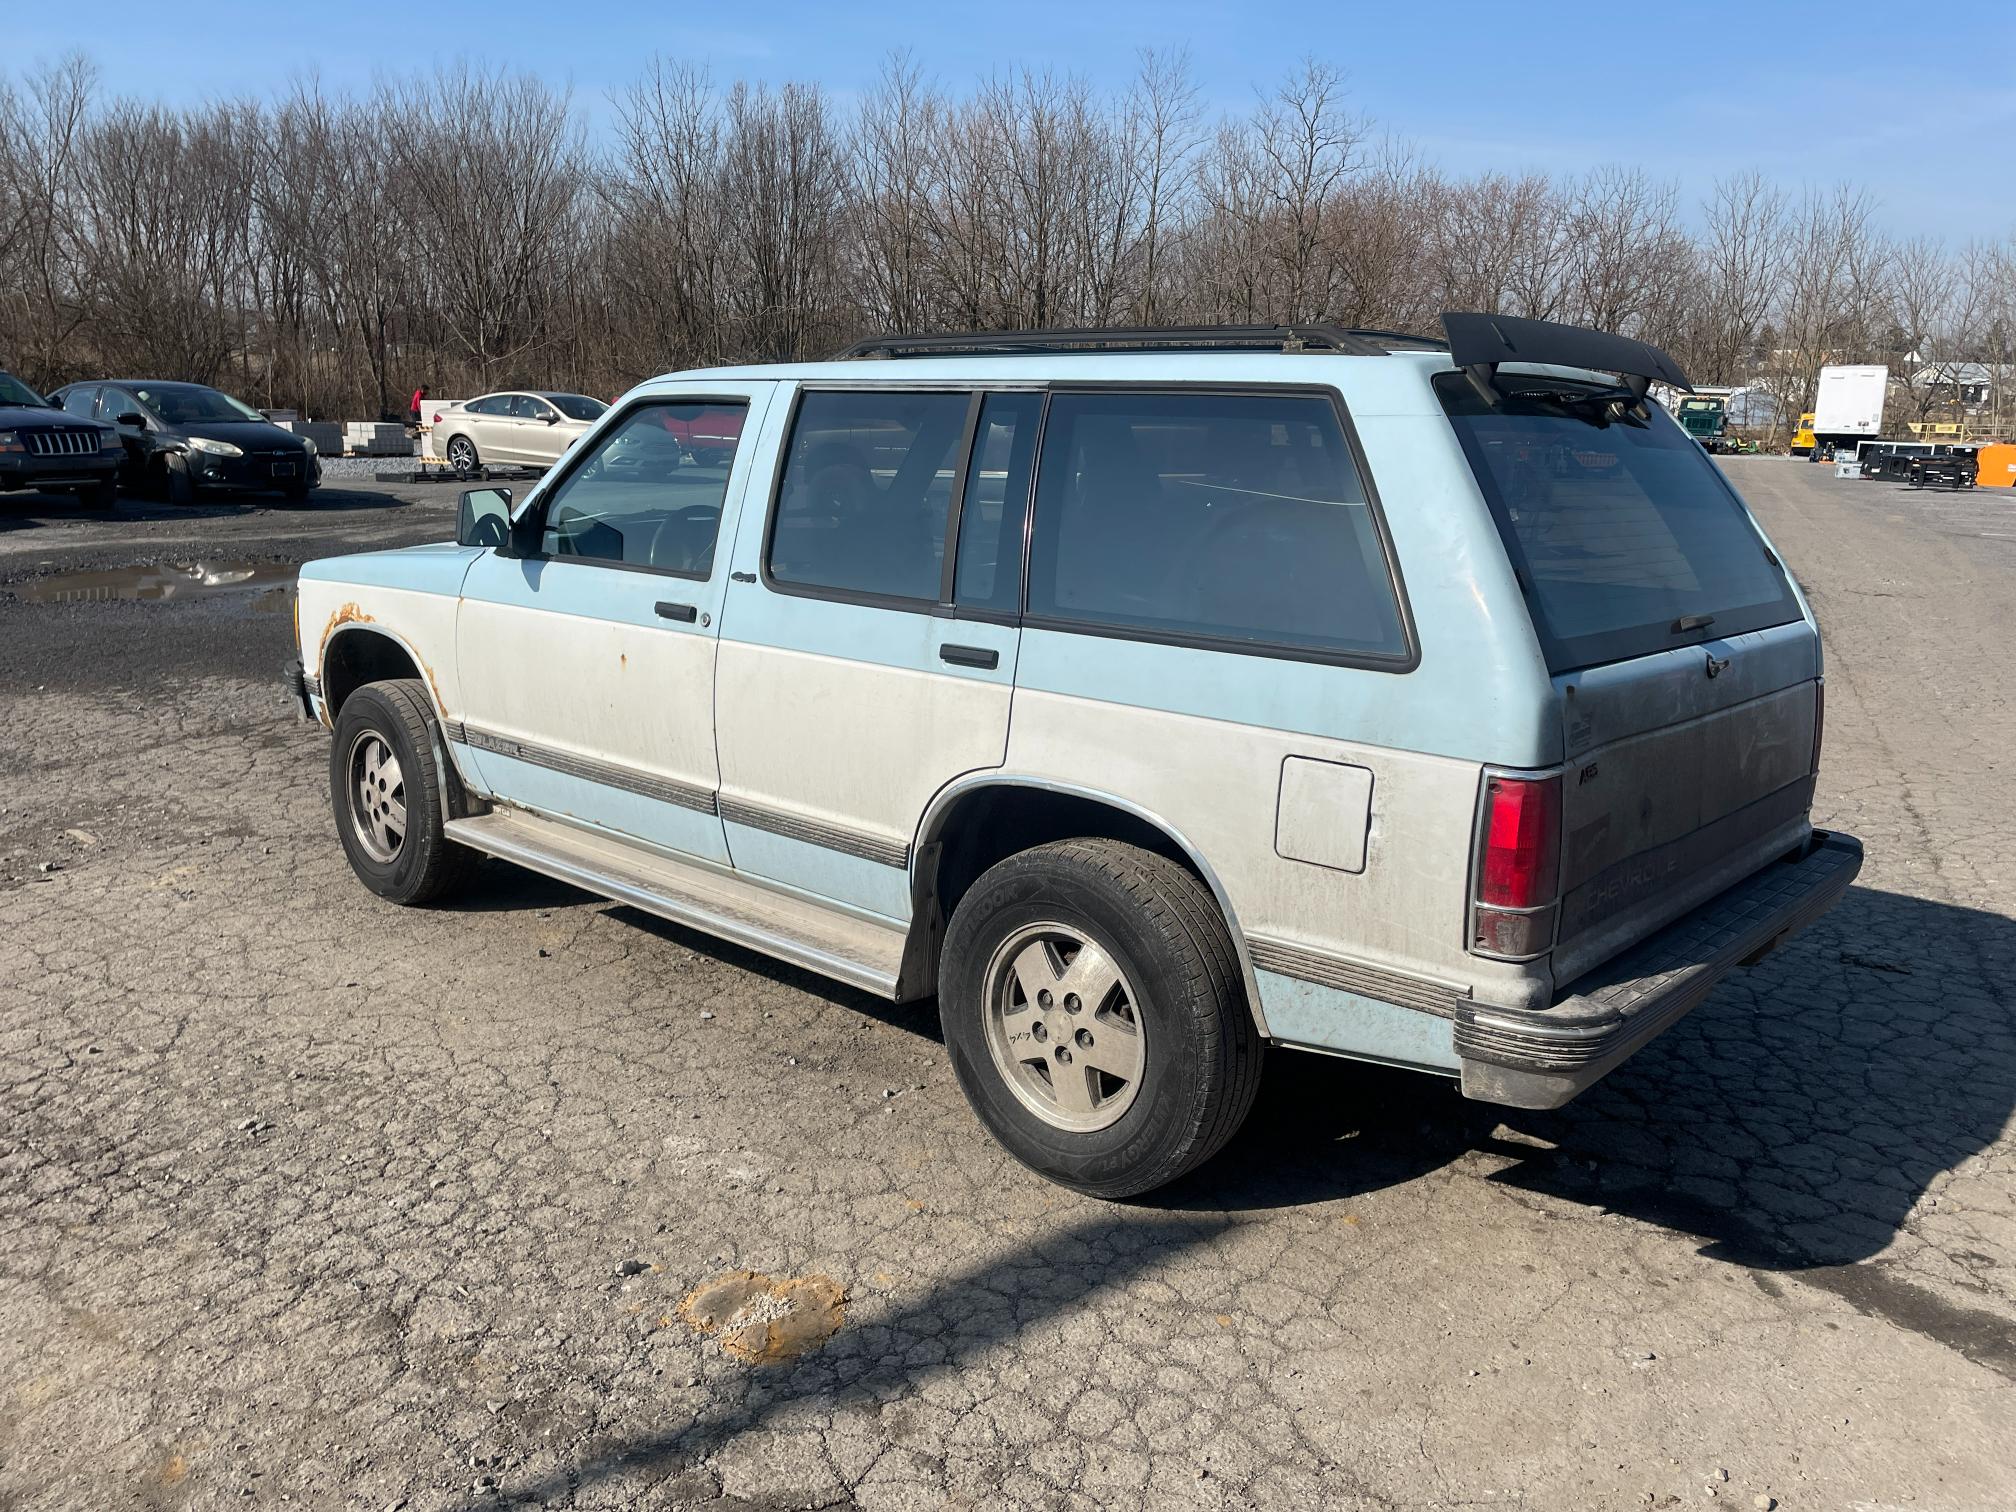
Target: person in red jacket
column 419, row 398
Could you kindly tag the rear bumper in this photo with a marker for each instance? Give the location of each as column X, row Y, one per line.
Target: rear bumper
column 1543, row 1058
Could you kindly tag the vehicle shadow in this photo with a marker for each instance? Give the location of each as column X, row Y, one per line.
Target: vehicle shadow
column 1793, row 1121
column 27, row 511
column 1791, row 1124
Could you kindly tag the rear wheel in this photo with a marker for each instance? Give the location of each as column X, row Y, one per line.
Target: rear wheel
column 386, row 785
column 1092, row 1004
column 462, row 456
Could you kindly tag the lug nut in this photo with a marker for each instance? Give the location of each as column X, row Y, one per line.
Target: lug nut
column 1084, row 1039
column 1043, row 997
column 1063, row 1056
column 1071, row 1003
column 1040, row 1030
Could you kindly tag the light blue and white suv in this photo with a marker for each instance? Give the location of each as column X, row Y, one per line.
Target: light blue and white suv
column 1151, row 697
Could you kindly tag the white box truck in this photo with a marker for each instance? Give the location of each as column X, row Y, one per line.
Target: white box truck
column 1848, row 406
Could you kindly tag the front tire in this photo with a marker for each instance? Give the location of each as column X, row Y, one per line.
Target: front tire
column 1093, row 1007
column 101, row 495
column 386, row 785
column 177, row 487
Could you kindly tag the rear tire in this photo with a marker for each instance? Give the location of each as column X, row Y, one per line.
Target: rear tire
column 462, row 456
column 1143, row 1061
column 386, row 785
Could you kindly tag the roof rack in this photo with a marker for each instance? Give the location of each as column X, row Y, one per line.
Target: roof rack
column 1216, row 338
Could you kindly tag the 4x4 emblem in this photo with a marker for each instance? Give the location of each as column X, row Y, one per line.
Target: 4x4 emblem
column 1716, row 667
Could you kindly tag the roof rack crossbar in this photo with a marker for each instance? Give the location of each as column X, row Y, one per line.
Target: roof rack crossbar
column 1316, row 337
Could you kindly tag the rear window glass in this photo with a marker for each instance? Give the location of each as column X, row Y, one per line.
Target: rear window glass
column 1626, row 538
column 867, row 487
column 1232, row 519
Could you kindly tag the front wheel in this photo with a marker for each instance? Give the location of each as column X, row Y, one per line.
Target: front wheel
column 386, row 785
column 1092, row 1004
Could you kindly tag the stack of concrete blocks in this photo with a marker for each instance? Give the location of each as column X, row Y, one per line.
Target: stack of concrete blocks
column 370, row 439
column 327, row 435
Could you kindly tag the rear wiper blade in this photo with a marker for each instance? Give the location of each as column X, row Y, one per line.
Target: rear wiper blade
column 1688, row 622
column 1615, row 394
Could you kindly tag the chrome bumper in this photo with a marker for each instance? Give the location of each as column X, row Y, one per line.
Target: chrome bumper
column 1542, row 1058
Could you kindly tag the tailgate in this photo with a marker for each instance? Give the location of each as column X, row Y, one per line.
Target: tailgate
column 1686, row 771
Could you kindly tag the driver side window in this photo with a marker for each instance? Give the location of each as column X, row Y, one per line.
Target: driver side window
column 637, row 501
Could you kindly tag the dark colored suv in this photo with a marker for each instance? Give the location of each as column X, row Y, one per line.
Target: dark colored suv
column 44, row 450
column 181, row 439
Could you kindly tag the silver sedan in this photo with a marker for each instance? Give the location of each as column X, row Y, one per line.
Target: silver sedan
column 519, row 428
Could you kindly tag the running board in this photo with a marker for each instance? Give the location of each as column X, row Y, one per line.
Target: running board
column 856, row 951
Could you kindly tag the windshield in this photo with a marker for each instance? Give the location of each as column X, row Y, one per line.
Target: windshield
column 186, row 404
column 14, row 391
column 1625, row 537
column 577, row 406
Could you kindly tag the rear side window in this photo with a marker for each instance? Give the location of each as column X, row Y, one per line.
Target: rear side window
column 1227, row 519
column 1625, row 537
column 866, row 489
column 81, row 401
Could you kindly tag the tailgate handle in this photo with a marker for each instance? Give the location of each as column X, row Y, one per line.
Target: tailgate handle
column 970, row 656
column 684, row 612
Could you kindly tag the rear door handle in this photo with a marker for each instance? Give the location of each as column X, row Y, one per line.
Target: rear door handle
column 970, row 656
column 684, row 612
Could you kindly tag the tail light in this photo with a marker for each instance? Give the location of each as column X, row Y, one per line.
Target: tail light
column 1518, row 866
column 437, row 418
column 1819, row 718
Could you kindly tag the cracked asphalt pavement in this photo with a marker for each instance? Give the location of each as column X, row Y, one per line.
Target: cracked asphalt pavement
column 535, row 1201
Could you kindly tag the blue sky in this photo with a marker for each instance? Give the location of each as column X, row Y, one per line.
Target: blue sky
column 1890, row 97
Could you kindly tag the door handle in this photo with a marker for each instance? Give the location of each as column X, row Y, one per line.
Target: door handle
column 685, row 612
column 970, row 656
column 741, row 577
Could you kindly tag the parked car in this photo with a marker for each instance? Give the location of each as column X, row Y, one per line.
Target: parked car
column 185, row 439
column 43, row 450
column 1388, row 698
column 517, row 429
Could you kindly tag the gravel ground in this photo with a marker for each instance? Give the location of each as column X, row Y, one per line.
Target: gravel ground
column 534, row 1201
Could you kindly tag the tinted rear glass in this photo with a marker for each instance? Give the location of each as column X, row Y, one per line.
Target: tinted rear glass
column 1626, row 538
column 1230, row 519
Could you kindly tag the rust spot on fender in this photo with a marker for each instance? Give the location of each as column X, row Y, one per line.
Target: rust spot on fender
column 353, row 613
column 623, row 660
column 765, row 1321
column 346, row 614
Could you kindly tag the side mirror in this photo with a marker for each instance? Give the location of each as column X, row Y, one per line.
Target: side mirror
column 484, row 517
column 134, row 420
column 552, row 418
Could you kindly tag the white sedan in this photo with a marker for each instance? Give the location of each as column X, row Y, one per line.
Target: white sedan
column 513, row 429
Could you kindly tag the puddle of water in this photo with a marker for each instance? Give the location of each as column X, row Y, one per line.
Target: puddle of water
column 202, row 579
column 763, row 1321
